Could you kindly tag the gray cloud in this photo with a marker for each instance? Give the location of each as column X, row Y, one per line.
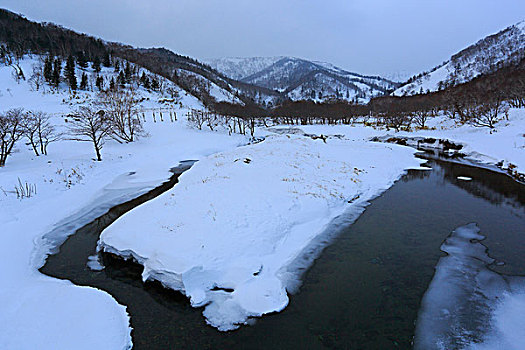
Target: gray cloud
column 366, row 36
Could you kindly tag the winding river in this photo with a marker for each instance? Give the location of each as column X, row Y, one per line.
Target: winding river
column 364, row 290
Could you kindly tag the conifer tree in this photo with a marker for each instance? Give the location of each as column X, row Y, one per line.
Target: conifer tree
column 112, row 85
column 48, row 70
column 57, row 69
column 155, row 84
column 84, row 81
column 70, row 73
column 127, row 72
column 121, row 79
column 144, row 80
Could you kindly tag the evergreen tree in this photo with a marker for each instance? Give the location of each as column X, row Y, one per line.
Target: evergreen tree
column 155, row 84
column 100, row 83
column 112, row 85
column 70, row 73
column 57, row 69
column 117, row 65
column 127, row 73
column 96, row 64
column 48, row 70
column 84, row 82
column 144, row 80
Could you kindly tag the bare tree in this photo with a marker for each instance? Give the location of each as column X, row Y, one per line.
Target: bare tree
column 10, row 132
column 90, row 125
column 196, row 118
column 121, row 108
column 17, row 73
column 37, row 80
column 39, row 131
column 421, row 117
column 489, row 113
column 397, row 120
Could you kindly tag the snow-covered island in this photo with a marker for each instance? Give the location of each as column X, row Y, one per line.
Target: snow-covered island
column 231, row 232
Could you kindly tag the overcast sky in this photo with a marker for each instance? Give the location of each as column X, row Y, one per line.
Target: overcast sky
column 365, row 36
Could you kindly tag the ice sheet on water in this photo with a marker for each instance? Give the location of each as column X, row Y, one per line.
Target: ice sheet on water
column 94, row 263
column 468, row 306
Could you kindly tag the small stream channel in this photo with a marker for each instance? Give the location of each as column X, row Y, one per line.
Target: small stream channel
column 363, row 292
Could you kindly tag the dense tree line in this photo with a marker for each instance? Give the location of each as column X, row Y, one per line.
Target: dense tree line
column 21, row 36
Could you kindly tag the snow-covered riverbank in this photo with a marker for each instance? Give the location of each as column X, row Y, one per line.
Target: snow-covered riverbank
column 504, row 145
column 228, row 234
column 68, row 187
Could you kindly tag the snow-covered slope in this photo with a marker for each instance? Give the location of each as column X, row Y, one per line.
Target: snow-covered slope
column 24, row 94
column 299, row 79
column 241, row 67
column 488, row 54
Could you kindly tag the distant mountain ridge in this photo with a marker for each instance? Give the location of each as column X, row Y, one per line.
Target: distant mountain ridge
column 489, row 54
column 241, row 67
column 300, row 79
column 20, row 36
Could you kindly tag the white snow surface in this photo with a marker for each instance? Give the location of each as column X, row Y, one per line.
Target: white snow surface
column 40, row 312
column 231, row 198
column 505, row 143
column 227, row 234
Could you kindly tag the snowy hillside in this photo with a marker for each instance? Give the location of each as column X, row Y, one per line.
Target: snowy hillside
column 239, row 67
column 299, row 79
column 488, row 54
column 23, row 92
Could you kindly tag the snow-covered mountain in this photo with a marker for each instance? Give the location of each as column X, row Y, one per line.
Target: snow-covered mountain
column 487, row 55
column 241, row 67
column 300, row 79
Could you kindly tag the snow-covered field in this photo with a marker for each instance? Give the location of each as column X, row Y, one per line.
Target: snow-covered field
column 504, row 143
column 230, row 235
column 39, row 312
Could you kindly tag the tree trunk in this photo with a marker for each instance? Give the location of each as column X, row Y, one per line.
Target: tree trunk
column 97, row 151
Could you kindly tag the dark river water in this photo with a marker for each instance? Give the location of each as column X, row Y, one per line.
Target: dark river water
column 364, row 290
